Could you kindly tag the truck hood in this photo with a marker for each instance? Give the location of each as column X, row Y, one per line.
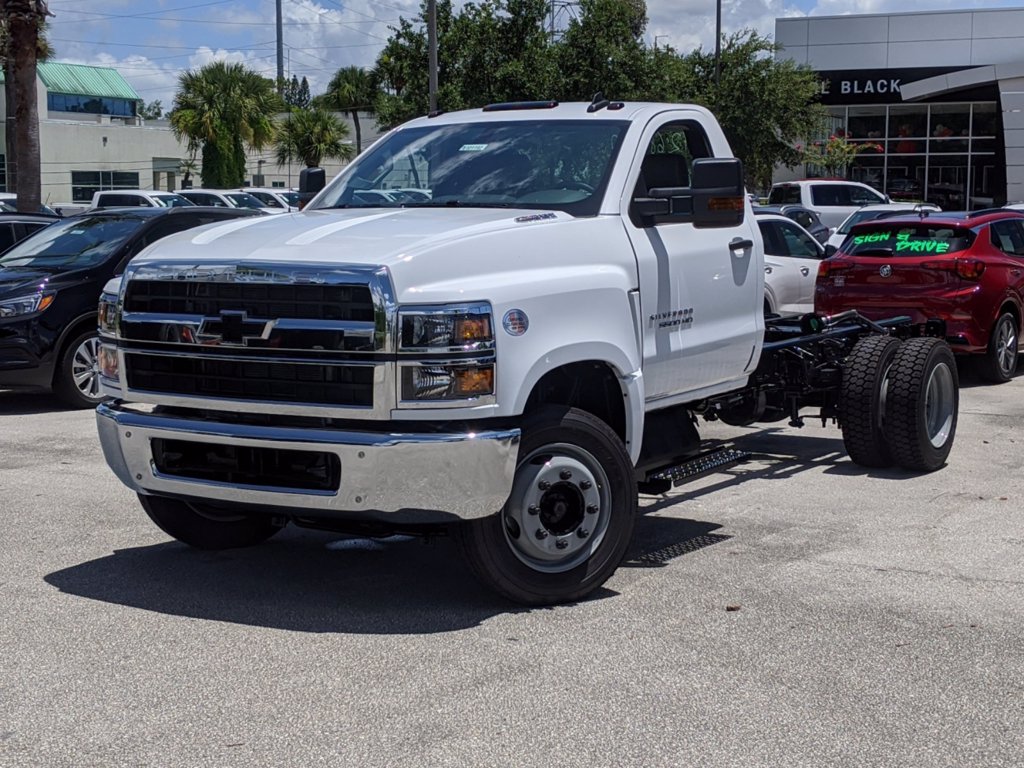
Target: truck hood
column 372, row 236
column 432, row 254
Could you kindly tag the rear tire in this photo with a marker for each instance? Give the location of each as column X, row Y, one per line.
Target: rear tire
column 922, row 404
column 204, row 527
column 1000, row 361
column 569, row 519
column 862, row 400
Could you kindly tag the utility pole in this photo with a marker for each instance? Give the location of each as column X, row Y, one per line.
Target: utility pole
column 280, row 51
column 432, row 51
column 718, row 40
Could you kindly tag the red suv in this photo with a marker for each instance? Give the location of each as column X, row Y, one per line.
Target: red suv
column 964, row 269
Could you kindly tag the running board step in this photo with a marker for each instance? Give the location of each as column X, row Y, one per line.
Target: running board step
column 697, row 466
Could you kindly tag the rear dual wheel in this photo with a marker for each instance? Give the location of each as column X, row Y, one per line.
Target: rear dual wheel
column 899, row 403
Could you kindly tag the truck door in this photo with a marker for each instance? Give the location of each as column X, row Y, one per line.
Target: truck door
column 701, row 288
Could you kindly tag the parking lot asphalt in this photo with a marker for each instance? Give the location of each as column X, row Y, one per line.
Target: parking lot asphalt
column 794, row 610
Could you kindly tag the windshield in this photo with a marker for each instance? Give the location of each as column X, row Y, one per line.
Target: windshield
column 547, row 164
column 292, row 198
column 244, row 200
column 907, row 240
column 73, row 243
column 172, row 201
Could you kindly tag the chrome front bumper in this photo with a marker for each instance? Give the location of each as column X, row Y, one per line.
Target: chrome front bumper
column 453, row 475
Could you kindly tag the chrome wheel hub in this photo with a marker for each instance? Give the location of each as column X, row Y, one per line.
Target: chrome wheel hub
column 1006, row 348
column 939, row 407
column 559, row 509
column 85, row 368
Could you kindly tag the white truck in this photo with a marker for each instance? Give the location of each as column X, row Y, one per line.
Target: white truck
column 509, row 358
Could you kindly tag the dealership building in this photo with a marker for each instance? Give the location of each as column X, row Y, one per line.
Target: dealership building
column 937, row 99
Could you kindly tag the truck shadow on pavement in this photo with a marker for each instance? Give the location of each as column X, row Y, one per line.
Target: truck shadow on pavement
column 17, row 402
column 311, row 581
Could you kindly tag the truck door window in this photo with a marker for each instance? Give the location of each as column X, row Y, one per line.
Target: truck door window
column 669, row 158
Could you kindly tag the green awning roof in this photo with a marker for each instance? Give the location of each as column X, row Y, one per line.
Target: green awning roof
column 82, row 80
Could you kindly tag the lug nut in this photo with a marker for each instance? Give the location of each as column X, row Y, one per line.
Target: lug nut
column 583, row 533
column 565, row 474
column 543, row 485
column 533, row 509
column 591, row 509
column 541, row 534
column 561, row 543
column 585, row 485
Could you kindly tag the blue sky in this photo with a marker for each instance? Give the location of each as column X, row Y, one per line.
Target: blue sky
column 152, row 41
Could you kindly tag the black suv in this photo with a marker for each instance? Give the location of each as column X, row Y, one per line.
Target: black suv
column 15, row 226
column 50, row 284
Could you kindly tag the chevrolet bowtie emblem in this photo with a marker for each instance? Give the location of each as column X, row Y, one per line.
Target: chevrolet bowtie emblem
column 233, row 328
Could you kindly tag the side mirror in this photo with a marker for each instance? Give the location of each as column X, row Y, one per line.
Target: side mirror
column 311, row 181
column 715, row 197
column 830, row 250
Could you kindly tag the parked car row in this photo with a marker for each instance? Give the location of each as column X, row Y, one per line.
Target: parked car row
column 51, row 280
column 263, row 199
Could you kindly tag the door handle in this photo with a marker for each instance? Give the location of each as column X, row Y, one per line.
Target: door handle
column 740, row 245
column 804, row 271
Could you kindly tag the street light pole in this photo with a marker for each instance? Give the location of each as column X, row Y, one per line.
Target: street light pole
column 280, row 50
column 432, row 51
column 718, row 40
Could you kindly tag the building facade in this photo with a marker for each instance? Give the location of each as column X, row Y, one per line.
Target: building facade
column 91, row 139
column 935, row 99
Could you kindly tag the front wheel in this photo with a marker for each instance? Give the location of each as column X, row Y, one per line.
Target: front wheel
column 77, row 380
column 569, row 519
column 922, row 404
column 204, row 527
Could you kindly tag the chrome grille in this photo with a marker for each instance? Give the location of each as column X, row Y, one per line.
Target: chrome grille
column 272, row 338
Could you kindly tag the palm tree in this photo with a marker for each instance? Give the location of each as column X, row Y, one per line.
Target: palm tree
column 23, row 44
column 350, row 91
column 225, row 108
column 310, row 135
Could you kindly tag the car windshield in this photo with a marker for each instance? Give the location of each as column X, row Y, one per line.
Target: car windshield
column 898, row 239
column 172, row 201
column 292, row 198
column 244, row 200
column 537, row 164
column 73, row 243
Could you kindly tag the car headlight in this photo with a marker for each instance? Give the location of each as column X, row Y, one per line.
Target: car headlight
column 446, row 329
column 26, row 305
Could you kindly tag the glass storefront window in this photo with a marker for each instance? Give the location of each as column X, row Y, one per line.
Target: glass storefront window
column 908, row 129
column 867, row 123
column 947, row 182
column 950, row 128
column 983, row 120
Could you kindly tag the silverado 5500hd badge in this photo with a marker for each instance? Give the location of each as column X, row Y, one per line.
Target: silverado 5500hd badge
column 673, row 318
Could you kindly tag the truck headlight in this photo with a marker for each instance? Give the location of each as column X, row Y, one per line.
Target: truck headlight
column 436, row 329
column 26, row 305
column 107, row 314
column 462, row 381
column 109, row 366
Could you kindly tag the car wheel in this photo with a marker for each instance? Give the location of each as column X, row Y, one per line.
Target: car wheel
column 921, row 404
column 1000, row 360
column 862, row 397
column 569, row 519
column 204, row 527
column 77, row 380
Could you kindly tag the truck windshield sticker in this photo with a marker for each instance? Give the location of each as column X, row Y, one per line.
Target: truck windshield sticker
column 472, row 148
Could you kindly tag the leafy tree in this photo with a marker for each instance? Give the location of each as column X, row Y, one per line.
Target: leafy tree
column 310, row 135
column 766, row 107
column 350, row 91
column 152, row 110
column 836, row 154
column 603, row 50
column 24, row 44
column 296, row 94
column 224, row 109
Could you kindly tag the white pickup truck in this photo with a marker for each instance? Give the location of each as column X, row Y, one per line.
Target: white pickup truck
column 508, row 352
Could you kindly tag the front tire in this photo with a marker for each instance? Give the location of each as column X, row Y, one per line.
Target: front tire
column 1000, row 360
column 569, row 519
column 862, row 400
column 204, row 527
column 922, row 404
column 77, row 380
